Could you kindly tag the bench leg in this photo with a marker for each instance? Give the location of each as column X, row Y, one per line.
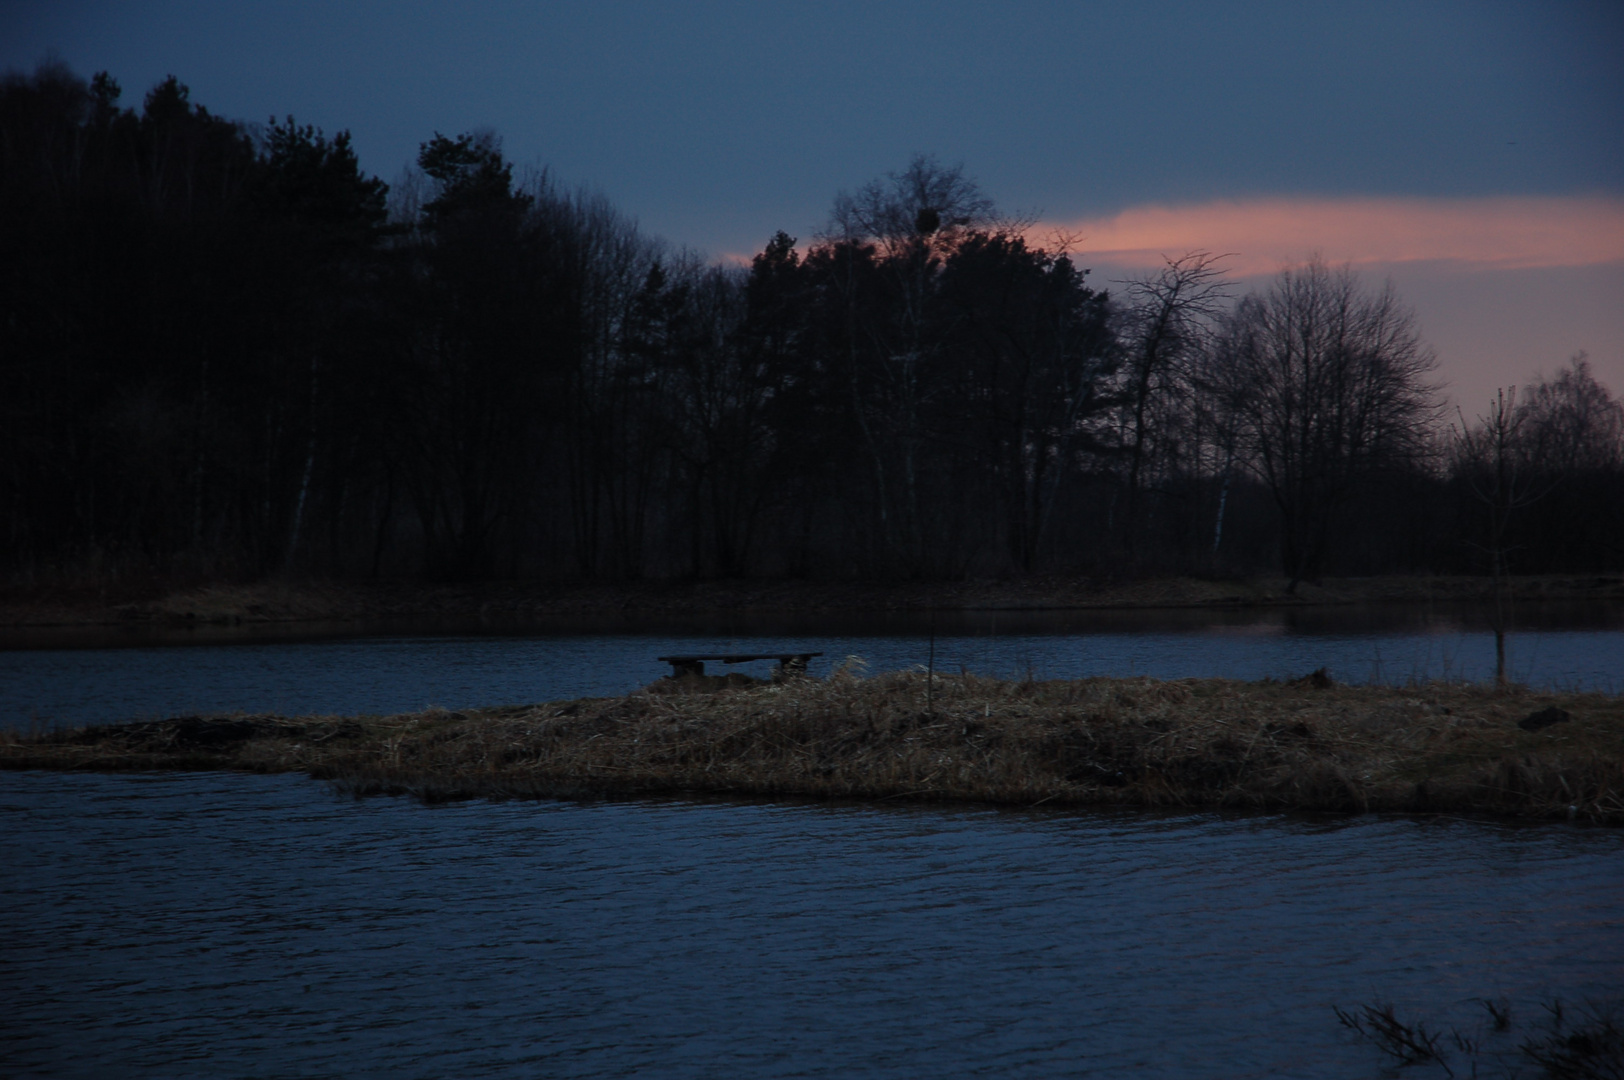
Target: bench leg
column 691, row 667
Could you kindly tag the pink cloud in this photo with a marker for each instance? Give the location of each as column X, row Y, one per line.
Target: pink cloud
column 1265, row 234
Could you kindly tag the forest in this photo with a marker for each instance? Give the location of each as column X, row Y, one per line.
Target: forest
column 227, row 353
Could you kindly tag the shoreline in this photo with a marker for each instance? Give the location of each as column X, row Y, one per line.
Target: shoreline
column 1193, row 744
column 270, row 603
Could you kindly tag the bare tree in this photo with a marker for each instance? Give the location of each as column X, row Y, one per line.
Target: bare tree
column 1574, row 431
column 1328, row 382
column 720, row 395
column 1213, row 415
column 924, row 209
column 1163, row 327
column 904, row 225
column 1492, row 458
column 1575, row 425
column 614, row 400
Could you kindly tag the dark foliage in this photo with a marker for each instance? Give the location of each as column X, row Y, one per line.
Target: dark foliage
column 226, row 352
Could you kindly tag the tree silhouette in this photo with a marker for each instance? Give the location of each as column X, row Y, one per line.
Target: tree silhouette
column 1328, row 382
column 228, row 352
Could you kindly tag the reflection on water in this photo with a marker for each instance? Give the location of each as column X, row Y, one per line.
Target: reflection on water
column 1567, row 647
column 208, row 925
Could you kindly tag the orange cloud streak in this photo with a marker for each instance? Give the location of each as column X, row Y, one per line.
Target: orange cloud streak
column 1265, row 234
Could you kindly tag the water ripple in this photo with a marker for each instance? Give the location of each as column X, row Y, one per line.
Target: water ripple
column 213, row 925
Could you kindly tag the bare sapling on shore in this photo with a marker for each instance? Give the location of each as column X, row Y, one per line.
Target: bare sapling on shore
column 1305, row 745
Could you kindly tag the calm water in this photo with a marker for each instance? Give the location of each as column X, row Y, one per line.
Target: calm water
column 212, row 925
column 1563, row 647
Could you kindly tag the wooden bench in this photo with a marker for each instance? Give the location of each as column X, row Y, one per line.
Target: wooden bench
column 789, row 663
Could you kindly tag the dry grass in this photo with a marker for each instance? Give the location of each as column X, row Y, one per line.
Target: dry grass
column 1142, row 742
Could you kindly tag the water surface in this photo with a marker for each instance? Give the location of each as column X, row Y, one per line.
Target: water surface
column 1561, row 646
column 214, row 925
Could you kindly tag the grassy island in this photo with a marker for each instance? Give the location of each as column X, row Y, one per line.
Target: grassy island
column 1196, row 743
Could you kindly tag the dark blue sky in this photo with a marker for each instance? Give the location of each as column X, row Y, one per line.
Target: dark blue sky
column 716, row 123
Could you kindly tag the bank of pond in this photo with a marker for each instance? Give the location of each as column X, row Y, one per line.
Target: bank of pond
column 1302, row 745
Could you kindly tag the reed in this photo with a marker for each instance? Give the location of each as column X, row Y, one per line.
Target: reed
column 1575, row 1042
column 1194, row 743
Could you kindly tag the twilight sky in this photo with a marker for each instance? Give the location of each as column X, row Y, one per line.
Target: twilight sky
column 1471, row 151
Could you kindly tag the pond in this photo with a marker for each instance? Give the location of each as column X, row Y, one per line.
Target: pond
column 106, row 676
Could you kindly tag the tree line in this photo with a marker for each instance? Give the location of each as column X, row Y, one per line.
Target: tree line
column 227, row 351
